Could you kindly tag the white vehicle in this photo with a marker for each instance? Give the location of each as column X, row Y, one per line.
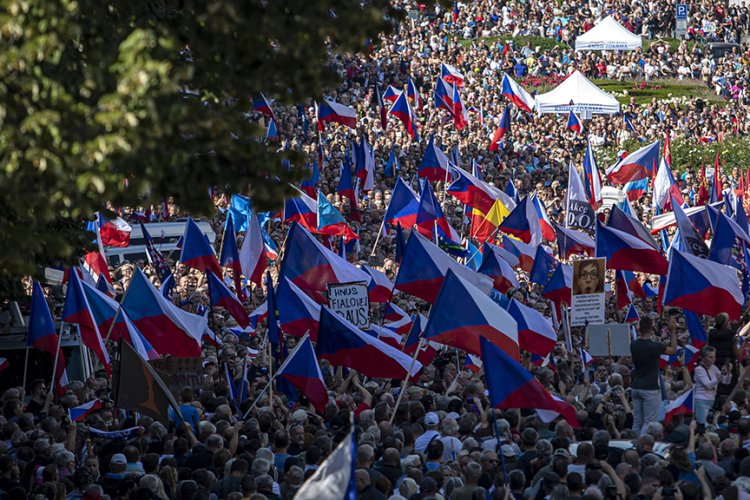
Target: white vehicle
column 165, row 236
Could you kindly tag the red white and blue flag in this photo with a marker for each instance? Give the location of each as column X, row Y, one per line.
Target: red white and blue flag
column 332, row 112
column 516, row 94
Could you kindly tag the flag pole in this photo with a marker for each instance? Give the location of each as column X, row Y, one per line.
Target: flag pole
column 57, row 356
column 270, row 365
column 25, row 364
column 281, row 368
column 405, row 382
column 377, row 238
column 117, row 313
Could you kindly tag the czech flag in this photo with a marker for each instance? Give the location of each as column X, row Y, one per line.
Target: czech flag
column 521, row 251
column 104, row 309
column 695, row 327
column 229, row 255
column 382, row 109
column 574, row 123
column 346, row 187
column 259, row 314
column 635, row 190
column 413, row 94
column 82, row 412
column 472, row 363
column 503, row 276
column 253, row 254
column 394, row 313
column 592, row 178
column 502, row 129
column 330, row 220
column 308, row 185
column 632, row 315
column 166, row 327
column 683, row 405
column 77, row 311
column 460, row 115
column 222, row 296
column 702, row 286
column 516, row 94
column 302, row 209
column 535, row 333
column 510, row 385
column 427, row 350
column 272, row 133
column 333, row 112
column 430, row 213
column 42, row 335
column 463, row 314
column 311, row 266
column 443, row 95
column 424, row 267
column 401, row 325
column 298, row 313
column 301, row 369
column 471, row 191
column 451, row 75
column 335, row 478
column 548, row 231
column 639, row 165
column 523, row 222
column 380, row 288
column 343, row 344
column 434, row 165
column 391, row 94
column 196, row 251
column 628, row 224
column 572, row 242
column 559, row 287
column 114, row 232
column 665, row 187
column 263, row 105
column 402, row 110
column 403, row 207
column 627, row 252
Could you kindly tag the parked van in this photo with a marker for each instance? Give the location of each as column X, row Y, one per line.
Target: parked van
column 165, row 236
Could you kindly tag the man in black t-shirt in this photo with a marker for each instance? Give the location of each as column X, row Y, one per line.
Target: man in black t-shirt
column 644, row 388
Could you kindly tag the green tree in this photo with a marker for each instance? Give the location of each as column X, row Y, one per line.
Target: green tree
column 94, row 108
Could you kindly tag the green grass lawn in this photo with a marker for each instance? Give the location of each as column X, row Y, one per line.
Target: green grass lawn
column 667, row 89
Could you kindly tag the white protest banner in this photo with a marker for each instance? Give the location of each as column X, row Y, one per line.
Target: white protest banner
column 351, row 300
column 587, row 307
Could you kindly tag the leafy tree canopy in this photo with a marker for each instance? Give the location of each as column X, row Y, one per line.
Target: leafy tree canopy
column 94, row 108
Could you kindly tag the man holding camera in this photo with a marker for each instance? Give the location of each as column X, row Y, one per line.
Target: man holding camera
column 644, row 389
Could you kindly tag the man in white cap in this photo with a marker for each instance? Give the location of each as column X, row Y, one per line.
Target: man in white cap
column 431, row 422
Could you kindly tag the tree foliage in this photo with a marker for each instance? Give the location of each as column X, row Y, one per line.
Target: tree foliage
column 94, row 108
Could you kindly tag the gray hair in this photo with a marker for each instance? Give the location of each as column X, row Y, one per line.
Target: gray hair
column 260, row 467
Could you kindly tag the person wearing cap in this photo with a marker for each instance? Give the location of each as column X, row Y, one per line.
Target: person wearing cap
column 431, row 422
column 115, row 481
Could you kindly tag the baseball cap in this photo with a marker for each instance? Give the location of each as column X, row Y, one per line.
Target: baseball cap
column 431, row 419
column 118, row 458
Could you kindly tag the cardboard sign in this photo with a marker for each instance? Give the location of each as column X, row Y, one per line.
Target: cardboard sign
column 612, row 339
column 587, row 307
column 179, row 373
column 351, row 301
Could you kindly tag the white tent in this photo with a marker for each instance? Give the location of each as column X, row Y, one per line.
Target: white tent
column 579, row 95
column 609, row 35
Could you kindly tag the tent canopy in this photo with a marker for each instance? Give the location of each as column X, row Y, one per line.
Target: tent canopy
column 579, row 95
column 609, row 35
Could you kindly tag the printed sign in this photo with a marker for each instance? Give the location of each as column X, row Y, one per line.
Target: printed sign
column 580, row 215
column 587, row 306
column 179, row 373
column 351, row 301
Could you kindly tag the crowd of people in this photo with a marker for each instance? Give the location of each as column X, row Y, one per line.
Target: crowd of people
column 443, row 440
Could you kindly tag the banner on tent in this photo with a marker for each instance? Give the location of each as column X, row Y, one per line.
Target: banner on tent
column 351, row 300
